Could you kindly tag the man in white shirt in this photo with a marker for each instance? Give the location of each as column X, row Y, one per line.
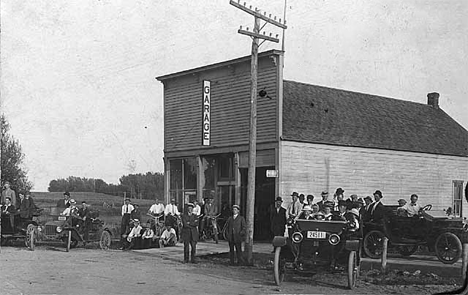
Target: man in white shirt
column 413, row 208
column 157, row 208
column 197, row 208
column 134, row 234
column 168, row 237
column 172, row 213
column 294, row 208
column 127, row 209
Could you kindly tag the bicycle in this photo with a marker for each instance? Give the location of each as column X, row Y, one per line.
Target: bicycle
column 158, row 223
column 211, row 230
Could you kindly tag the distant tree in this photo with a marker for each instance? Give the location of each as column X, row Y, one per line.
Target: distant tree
column 12, row 157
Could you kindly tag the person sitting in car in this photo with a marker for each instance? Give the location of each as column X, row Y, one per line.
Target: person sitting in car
column 327, row 210
column 413, row 208
column 306, row 213
column 9, row 210
column 401, row 211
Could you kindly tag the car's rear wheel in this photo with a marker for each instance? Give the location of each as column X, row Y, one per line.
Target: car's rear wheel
column 29, row 239
column 279, row 267
column 105, row 240
column 373, row 244
column 407, row 250
column 448, row 248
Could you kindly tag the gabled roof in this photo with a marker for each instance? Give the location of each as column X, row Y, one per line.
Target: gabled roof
column 319, row 114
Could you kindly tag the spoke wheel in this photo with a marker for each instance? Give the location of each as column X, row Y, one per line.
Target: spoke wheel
column 353, row 269
column 373, row 244
column 105, row 240
column 69, row 239
column 279, row 267
column 27, row 240
column 407, row 250
column 448, row 248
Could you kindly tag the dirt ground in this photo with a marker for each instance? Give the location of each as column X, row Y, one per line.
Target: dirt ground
column 51, row 270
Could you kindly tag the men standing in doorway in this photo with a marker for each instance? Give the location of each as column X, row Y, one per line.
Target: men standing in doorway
column 8, row 193
column 190, row 233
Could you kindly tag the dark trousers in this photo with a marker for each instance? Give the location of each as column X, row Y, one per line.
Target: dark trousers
column 193, row 245
column 124, row 225
column 238, row 247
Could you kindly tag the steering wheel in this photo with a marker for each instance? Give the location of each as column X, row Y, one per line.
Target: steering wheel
column 428, row 207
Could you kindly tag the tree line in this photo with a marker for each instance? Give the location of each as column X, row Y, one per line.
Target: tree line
column 139, row 186
column 12, row 157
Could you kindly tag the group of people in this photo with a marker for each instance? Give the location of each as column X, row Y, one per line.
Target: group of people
column 80, row 215
column 17, row 208
column 364, row 209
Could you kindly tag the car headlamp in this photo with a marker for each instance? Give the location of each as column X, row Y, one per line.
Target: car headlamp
column 59, row 229
column 297, row 237
column 334, row 239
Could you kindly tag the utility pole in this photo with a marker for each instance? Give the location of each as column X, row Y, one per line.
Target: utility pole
column 256, row 36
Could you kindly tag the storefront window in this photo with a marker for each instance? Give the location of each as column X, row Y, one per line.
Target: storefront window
column 226, row 167
column 190, row 173
column 209, row 164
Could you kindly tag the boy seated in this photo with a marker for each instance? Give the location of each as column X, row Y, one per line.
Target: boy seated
column 168, row 237
column 133, row 238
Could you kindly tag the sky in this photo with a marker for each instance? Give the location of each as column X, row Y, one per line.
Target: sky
column 78, row 77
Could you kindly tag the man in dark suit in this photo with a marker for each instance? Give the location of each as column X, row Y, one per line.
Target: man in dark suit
column 190, row 233
column 277, row 218
column 65, row 202
column 235, row 233
column 9, row 210
column 377, row 209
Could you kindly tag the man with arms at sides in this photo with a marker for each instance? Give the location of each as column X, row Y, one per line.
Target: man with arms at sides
column 277, row 218
column 190, row 233
column 377, row 209
column 127, row 209
column 8, row 192
column 235, row 233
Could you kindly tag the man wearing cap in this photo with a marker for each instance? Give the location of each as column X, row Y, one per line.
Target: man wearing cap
column 277, row 218
column 8, row 192
column 236, row 233
column 294, row 208
column 324, row 199
column 168, row 237
column 377, row 209
column 127, row 209
column 190, row 233
column 65, row 202
column 306, row 213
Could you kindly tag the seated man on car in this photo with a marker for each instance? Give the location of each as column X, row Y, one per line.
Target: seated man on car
column 327, row 210
column 413, row 208
column 168, row 237
column 306, row 213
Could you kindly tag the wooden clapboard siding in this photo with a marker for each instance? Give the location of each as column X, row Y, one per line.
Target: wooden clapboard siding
column 361, row 171
column 230, row 106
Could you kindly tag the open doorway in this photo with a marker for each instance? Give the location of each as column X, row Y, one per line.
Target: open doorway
column 264, row 198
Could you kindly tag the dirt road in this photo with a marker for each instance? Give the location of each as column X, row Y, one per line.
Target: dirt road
column 51, row 270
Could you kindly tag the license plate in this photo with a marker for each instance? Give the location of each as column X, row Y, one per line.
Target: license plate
column 316, row 234
column 62, row 218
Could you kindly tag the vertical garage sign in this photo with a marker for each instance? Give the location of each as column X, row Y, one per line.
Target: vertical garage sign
column 206, row 113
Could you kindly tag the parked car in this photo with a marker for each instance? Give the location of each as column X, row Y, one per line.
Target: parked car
column 22, row 229
column 441, row 234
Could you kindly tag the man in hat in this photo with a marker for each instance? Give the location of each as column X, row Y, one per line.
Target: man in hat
column 8, row 192
column 339, row 195
column 324, row 199
column 327, row 210
column 26, row 206
column 294, row 208
column 127, row 209
column 278, row 218
column 168, row 237
column 377, row 209
column 236, row 233
column 9, row 210
column 65, row 202
column 210, row 215
column 365, row 210
column 133, row 239
column 190, row 233
column 306, row 213
column 310, row 200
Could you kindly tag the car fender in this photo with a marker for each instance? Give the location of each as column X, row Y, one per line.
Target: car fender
column 352, row 245
column 279, row 241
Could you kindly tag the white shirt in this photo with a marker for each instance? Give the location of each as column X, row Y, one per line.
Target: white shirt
column 171, row 209
column 412, row 209
column 127, row 209
column 135, row 232
column 157, row 208
column 68, row 211
column 197, row 210
column 148, row 234
column 166, row 235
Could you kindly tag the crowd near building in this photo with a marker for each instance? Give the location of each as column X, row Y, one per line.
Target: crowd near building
column 309, row 139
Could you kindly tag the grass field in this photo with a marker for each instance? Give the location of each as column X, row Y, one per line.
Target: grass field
column 108, row 206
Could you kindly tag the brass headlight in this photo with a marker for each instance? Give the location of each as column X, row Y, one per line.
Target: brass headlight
column 297, row 237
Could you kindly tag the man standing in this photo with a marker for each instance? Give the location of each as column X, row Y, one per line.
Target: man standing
column 339, row 196
column 278, row 218
column 294, row 209
column 190, row 233
column 377, row 209
column 65, row 202
column 172, row 213
column 324, row 199
column 127, row 209
column 235, row 233
column 9, row 210
column 210, row 213
column 157, row 208
column 26, row 206
column 8, row 192
column 84, row 213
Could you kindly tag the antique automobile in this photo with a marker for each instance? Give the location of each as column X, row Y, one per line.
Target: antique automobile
column 315, row 243
column 70, row 231
column 22, row 229
column 435, row 230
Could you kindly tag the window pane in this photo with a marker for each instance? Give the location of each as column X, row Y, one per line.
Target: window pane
column 175, row 174
column 209, row 163
column 190, row 173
